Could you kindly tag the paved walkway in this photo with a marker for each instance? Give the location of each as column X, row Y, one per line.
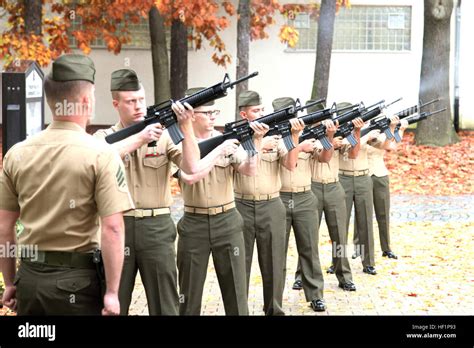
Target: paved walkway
column 434, row 239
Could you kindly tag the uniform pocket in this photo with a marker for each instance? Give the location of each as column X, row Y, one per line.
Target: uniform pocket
column 73, row 284
column 153, row 169
column 269, row 163
column 221, row 171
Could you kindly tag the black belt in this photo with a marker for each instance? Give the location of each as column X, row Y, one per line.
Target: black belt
column 62, row 259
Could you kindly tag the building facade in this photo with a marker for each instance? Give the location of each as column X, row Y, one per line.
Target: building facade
column 377, row 53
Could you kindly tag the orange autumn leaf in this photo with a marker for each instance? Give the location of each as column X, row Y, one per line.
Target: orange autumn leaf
column 107, row 20
column 445, row 170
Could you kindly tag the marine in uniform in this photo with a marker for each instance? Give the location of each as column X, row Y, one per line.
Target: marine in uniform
column 61, row 183
column 379, row 175
column 211, row 224
column 258, row 201
column 354, row 178
column 330, row 196
column 150, row 233
column 300, row 204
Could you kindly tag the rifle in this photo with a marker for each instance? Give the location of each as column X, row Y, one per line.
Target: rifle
column 415, row 119
column 319, row 132
column 242, row 131
column 368, row 114
column 382, row 124
column 163, row 114
column 414, row 109
column 284, row 128
column 345, row 125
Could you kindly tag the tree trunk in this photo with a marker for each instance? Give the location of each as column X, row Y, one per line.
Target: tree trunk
column 243, row 43
column 437, row 130
column 159, row 56
column 33, row 12
column 179, row 59
column 324, row 49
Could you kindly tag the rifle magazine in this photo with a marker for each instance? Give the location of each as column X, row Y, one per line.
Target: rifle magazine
column 326, row 143
column 352, row 140
column 288, row 143
column 175, row 133
column 249, row 147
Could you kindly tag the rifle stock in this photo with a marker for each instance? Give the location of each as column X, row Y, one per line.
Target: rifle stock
column 163, row 113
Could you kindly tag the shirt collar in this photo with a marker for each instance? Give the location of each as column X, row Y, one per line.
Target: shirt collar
column 66, row 125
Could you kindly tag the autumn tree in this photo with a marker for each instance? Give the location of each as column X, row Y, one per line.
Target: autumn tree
column 434, row 81
column 325, row 14
column 110, row 21
column 243, row 43
column 327, row 17
column 33, row 14
column 256, row 16
column 159, row 54
column 253, row 18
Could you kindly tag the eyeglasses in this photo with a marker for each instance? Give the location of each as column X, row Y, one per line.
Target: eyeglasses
column 209, row 113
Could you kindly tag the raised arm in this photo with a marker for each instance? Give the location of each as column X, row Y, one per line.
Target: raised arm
column 191, row 154
column 250, row 165
column 228, row 147
column 291, row 158
column 358, row 124
column 325, row 155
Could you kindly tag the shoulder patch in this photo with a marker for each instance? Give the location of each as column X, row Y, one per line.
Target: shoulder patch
column 120, row 176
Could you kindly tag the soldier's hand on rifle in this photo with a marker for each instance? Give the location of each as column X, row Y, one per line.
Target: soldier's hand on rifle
column 269, row 143
column 184, row 113
column 394, row 120
column 297, row 126
column 307, row 145
column 259, row 129
column 337, row 142
column 152, row 132
column 331, row 128
column 403, row 124
column 229, row 147
column 358, row 123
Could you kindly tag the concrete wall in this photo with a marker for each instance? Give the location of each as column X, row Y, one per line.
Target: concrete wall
column 354, row 76
column 466, row 68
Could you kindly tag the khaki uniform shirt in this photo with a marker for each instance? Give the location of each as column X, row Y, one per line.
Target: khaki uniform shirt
column 267, row 181
column 61, row 180
column 215, row 189
column 300, row 178
column 325, row 172
column 359, row 163
column 375, row 156
column 148, row 170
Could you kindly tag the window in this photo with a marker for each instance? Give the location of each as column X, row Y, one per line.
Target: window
column 139, row 33
column 361, row 28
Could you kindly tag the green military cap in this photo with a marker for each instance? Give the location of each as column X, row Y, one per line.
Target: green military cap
column 282, row 103
column 314, row 108
column 124, row 80
column 193, row 90
column 249, row 98
column 343, row 105
column 72, row 67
